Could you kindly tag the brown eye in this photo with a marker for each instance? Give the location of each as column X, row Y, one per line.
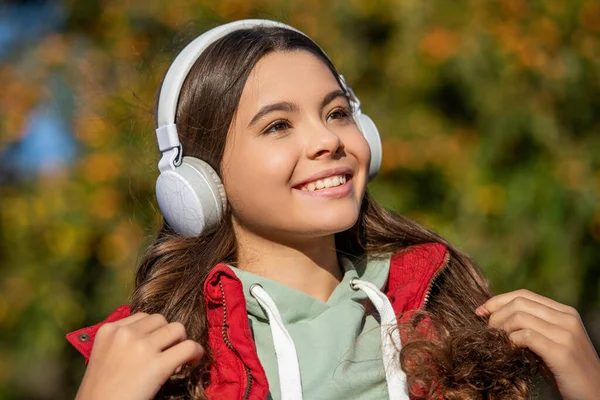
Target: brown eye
column 339, row 113
column 277, row 127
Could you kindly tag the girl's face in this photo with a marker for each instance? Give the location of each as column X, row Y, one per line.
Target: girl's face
column 295, row 163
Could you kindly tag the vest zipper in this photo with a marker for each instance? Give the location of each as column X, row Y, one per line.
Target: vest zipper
column 433, row 279
column 230, row 345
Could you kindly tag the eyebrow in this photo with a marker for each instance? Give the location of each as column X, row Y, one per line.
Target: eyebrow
column 293, row 107
column 332, row 96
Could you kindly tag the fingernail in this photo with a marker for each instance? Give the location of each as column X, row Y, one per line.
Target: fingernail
column 480, row 311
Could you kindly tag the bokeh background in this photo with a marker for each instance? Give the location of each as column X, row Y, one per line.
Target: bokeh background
column 489, row 113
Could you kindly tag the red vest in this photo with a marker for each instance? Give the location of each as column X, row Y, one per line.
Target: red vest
column 237, row 372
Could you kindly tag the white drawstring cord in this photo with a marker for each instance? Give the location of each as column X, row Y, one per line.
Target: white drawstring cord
column 287, row 359
column 395, row 377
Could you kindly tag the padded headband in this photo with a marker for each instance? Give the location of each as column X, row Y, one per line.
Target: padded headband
column 169, row 94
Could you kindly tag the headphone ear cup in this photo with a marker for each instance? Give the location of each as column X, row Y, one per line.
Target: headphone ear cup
column 191, row 197
column 370, row 132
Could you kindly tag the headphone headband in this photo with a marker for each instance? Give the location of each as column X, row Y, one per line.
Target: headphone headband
column 179, row 69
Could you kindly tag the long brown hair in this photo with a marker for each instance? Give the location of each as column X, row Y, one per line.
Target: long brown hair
column 468, row 361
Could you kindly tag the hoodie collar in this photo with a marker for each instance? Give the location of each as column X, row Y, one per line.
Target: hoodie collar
column 296, row 306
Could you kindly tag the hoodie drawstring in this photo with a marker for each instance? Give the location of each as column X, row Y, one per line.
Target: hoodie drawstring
column 391, row 343
column 287, row 359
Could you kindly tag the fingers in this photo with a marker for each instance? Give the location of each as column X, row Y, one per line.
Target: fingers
column 160, row 333
column 524, row 321
column 496, row 302
column 169, row 339
column 187, row 351
column 535, row 341
column 149, row 324
column 551, row 330
column 168, row 335
column 129, row 320
column 525, row 310
column 525, row 305
column 552, row 353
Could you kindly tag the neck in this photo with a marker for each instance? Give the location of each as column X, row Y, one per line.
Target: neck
column 308, row 265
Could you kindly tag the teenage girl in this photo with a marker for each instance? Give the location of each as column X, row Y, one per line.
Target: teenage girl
column 275, row 274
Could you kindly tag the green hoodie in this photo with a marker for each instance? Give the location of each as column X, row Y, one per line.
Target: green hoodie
column 338, row 343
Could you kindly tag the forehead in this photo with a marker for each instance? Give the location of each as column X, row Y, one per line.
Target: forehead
column 287, row 76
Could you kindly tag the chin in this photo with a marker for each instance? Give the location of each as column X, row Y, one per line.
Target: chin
column 334, row 222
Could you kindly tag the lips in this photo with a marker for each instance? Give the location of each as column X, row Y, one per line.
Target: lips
column 325, row 183
column 341, row 173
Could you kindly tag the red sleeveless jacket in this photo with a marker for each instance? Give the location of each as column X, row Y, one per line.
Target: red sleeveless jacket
column 237, row 373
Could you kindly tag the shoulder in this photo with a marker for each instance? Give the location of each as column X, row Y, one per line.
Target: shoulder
column 412, row 271
column 419, row 259
column 83, row 339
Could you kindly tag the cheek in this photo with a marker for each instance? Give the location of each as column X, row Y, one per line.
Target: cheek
column 359, row 147
column 364, row 152
column 261, row 166
column 257, row 178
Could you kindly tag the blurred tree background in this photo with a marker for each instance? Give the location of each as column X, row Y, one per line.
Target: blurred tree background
column 489, row 113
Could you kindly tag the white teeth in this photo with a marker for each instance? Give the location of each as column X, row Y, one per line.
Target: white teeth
column 325, row 183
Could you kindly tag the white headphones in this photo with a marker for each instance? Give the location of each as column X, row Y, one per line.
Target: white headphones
column 189, row 192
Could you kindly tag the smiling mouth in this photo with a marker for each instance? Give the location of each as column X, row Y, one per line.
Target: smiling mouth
column 325, row 183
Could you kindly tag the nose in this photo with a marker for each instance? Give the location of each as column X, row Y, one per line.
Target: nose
column 323, row 142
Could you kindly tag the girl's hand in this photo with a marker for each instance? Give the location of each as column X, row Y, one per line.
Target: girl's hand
column 133, row 357
column 555, row 333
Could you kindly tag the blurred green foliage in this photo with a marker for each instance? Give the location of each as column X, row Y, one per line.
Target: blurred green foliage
column 488, row 112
